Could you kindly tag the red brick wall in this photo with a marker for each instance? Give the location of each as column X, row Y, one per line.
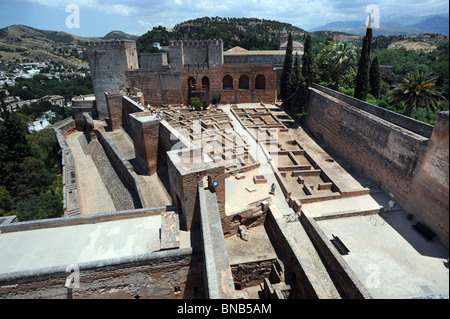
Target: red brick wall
column 236, row 95
column 114, row 105
column 145, row 140
column 174, row 88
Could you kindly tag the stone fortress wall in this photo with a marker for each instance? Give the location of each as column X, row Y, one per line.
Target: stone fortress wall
column 108, row 61
column 409, row 159
column 196, row 69
column 182, row 273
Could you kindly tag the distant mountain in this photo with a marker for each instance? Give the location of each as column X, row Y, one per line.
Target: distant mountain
column 427, row 24
column 23, row 43
column 341, row 26
column 410, row 19
column 119, row 35
column 436, row 24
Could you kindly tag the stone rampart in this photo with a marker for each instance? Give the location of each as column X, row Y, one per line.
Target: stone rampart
column 126, row 192
column 406, row 162
column 69, row 176
column 382, row 113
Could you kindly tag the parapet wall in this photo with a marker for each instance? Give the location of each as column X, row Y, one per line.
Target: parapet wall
column 393, row 155
column 125, row 192
column 69, row 177
column 174, row 274
column 382, row 113
column 344, row 277
column 81, row 219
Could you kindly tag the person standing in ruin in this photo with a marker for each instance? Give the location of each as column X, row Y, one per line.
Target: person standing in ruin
column 391, row 205
column 272, row 189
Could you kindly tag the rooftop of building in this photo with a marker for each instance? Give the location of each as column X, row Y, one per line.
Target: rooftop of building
column 242, row 51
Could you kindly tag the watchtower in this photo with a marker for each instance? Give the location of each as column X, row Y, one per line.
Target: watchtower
column 283, row 37
column 196, row 55
column 108, row 61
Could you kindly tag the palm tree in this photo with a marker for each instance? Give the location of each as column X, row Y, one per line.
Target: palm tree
column 342, row 56
column 418, row 89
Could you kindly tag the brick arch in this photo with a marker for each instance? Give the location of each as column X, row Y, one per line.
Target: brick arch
column 260, row 82
column 205, row 83
column 244, row 82
column 227, row 82
column 191, row 82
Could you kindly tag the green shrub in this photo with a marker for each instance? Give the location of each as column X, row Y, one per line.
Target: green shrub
column 216, row 98
column 195, row 103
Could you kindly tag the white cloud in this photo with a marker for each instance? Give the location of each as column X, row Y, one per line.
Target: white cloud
column 142, row 14
column 108, row 7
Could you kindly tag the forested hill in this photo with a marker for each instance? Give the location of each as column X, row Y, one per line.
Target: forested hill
column 248, row 33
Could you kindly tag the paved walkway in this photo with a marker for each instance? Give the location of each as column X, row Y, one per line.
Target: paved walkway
column 93, row 196
column 61, row 246
column 153, row 190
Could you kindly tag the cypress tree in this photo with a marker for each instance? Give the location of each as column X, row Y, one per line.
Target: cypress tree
column 287, row 68
column 362, row 76
column 296, row 100
column 375, row 78
column 293, row 83
column 299, row 99
column 308, row 67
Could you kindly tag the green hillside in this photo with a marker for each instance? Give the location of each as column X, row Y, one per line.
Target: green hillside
column 248, row 33
column 26, row 44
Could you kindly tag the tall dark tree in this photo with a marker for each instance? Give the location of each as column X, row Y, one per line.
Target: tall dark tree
column 299, row 98
column 309, row 70
column 287, row 68
column 14, row 147
column 293, row 83
column 362, row 76
column 375, row 78
column 297, row 88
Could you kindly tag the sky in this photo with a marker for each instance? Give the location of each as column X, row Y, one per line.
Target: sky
column 96, row 18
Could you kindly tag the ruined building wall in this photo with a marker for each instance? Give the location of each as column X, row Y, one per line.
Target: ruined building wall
column 145, row 134
column 183, row 185
column 108, row 61
column 235, row 93
column 159, row 87
column 407, row 164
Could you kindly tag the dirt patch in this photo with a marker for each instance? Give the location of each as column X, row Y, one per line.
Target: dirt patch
column 412, row 45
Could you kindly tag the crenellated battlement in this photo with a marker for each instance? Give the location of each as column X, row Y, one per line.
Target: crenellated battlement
column 114, row 42
column 196, row 43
